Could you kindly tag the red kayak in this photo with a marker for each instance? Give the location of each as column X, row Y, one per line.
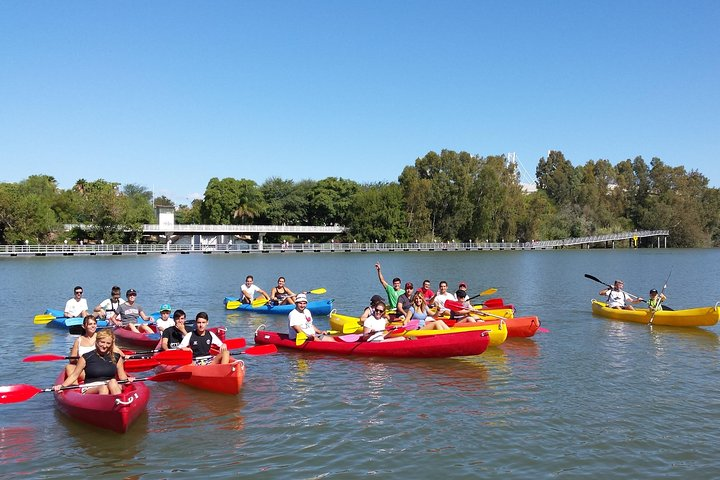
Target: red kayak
column 151, row 340
column 517, row 326
column 221, row 378
column 112, row 412
column 447, row 345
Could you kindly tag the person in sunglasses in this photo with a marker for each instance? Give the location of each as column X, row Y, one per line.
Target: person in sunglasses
column 76, row 306
column 375, row 325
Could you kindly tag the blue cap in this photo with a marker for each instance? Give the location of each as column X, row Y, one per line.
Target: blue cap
column 165, row 308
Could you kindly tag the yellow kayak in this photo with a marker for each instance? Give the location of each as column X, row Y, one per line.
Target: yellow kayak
column 691, row 317
column 498, row 332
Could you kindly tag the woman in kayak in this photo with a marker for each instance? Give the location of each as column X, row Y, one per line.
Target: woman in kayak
column 85, row 343
column 375, row 325
column 281, row 295
column 102, row 364
column 420, row 311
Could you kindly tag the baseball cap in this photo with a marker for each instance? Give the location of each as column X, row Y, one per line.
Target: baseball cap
column 301, row 297
column 460, row 294
column 653, row 291
column 462, row 284
column 165, row 307
column 375, row 299
column 409, row 285
column 130, row 292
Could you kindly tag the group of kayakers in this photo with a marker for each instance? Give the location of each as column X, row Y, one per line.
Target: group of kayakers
column 620, row 299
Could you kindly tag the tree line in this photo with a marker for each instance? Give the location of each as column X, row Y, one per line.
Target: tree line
column 446, row 196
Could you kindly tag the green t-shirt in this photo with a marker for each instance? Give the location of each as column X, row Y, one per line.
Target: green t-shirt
column 393, row 295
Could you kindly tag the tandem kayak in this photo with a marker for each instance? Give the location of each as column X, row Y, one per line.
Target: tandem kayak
column 150, row 340
column 220, row 378
column 112, row 412
column 690, row 317
column 436, row 346
column 316, row 307
column 61, row 321
column 497, row 332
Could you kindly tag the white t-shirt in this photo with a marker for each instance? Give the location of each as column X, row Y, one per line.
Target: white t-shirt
column 301, row 319
column 251, row 291
column 110, row 307
column 163, row 324
column 440, row 301
column 617, row 299
column 74, row 308
column 376, row 325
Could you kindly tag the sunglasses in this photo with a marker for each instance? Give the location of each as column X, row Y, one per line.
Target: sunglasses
column 379, row 311
column 79, row 293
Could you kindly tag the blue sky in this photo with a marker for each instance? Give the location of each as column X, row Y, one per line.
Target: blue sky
column 168, row 94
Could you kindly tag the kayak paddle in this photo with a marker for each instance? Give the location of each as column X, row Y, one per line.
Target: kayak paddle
column 20, row 393
column 489, row 291
column 257, row 350
column 591, row 277
column 43, row 319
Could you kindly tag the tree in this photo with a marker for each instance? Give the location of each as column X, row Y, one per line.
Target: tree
column 231, row 202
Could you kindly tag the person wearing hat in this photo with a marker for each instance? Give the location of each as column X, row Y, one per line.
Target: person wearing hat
column 462, row 286
column 129, row 312
column 164, row 321
column 368, row 311
column 655, row 300
column 404, row 301
column 300, row 320
column 109, row 307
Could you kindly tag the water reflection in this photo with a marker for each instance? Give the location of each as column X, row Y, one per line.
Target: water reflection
column 177, row 402
column 16, row 445
column 41, row 340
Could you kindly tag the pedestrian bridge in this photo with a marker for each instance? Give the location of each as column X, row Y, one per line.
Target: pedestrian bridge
column 623, row 239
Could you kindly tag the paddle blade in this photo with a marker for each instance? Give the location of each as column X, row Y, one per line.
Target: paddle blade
column 396, row 332
column 17, row 393
column 166, row 377
column 44, row 358
column 350, row 327
column 350, row 338
column 260, row 350
column 493, row 303
column 318, row 291
column 489, row 291
column 454, row 305
column 233, row 343
column 43, row 320
column 173, row 357
column 232, row 305
column 300, row 338
column 543, row 330
column 259, row 302
column 140, row 364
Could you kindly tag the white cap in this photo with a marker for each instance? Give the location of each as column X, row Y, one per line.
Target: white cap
column 301, row 297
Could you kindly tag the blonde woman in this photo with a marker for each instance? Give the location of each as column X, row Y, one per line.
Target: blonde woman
column 420, row 311
column 102, row 364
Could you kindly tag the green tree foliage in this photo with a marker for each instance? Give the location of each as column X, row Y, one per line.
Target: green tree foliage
column 378, row 214
column 287, row 203
column 231, row 202
column 558, row 178
column 328, row 202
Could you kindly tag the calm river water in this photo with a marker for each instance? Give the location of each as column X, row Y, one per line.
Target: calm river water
column 591, row 398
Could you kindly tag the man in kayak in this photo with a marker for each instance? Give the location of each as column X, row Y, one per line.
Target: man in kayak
column 617, row 298
column 393, row 291
column 76, row 306
column 300, row 320
column 426, row 291
column 249, row 289
column 200, row 340
column 172, row 336
column 441, row 297
column 129, row 312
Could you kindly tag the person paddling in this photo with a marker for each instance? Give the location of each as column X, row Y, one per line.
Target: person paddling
column 102, row 364
column 617, row 298
column 655, row 300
